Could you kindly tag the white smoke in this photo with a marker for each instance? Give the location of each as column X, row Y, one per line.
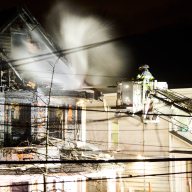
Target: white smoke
column 72, row 28
column 98, row 66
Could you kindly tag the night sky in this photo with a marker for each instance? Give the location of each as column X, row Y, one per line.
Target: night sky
column 158, row 33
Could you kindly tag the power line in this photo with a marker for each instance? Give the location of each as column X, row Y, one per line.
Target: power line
column 56, row 123
column 96, row 141
column 98, row 161
column 96, row 110
column 77, row 74
column 89, row 179
column 69, row 51
column 99, row 142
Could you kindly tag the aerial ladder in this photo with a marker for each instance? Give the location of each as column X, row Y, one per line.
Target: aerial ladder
column 180, row 113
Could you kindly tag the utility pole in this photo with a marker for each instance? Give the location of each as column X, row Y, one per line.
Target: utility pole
column 47, row 127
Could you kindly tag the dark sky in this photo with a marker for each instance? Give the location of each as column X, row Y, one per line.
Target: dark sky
column 157, row 32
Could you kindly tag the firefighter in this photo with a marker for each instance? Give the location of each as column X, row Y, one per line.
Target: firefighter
column 145, row 74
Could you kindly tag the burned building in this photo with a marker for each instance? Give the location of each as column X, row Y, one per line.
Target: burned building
column 35, row 88
column 40, row 110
